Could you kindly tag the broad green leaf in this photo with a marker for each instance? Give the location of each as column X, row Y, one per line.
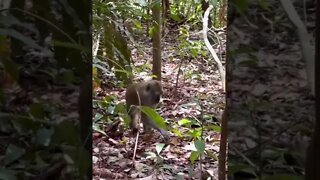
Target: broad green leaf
column 43, row 136
column 159, row 147
column 212, row 155
column 97, row 117
column 13, row 153
column 200, row 145
column 175, row 17
column 97, row 128
column 142, row 3
column 215, row 128
column 184, row 122
column 194, row 156
column 25, row 39
column 150, row 155
column 153, row 115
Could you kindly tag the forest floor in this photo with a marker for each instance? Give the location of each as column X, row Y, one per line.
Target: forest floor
column 268, row 93
column 198, row 93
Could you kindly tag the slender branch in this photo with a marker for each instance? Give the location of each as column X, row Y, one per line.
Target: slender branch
column 213, row 53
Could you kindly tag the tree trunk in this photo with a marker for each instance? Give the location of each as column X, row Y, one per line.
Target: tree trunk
column 312, row 170
column 156, row 36
column 165, row 14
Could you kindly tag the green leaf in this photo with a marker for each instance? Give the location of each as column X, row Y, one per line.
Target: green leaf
column 212, row 155
column 13, row 153
column 195, row 133
column 97, row 128
column 175, row 17
column 137, row 24
column 44, row 136
column 215, row 128
column 213, row 2
column 150, row 155
column 159, row 147
column 25, row 39
column 177, row 132
column 153, row 115
column 200, row 145
column 184, row 122
column 194, row 156
column 142, row 3
column 152, row 31
column 97, row 117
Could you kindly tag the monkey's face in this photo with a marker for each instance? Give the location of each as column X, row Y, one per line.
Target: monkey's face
column 154, row 89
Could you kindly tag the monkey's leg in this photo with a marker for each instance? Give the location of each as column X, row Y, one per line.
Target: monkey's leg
column 134, row 119
column 146, row 123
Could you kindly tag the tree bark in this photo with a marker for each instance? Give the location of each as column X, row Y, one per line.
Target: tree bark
column 156, row 36
column 312, row 169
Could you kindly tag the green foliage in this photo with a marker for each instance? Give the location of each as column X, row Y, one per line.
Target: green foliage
column 181, row 10
column 116, row 51
column 108, row 108
column 153, row 115
column 39, row 128
column 187, row 48
column 114, row 19
column 200, row 148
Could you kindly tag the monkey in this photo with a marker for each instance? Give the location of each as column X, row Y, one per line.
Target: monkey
column 145, row 93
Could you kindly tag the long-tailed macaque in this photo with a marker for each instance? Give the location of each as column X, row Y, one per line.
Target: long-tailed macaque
column 146, row 93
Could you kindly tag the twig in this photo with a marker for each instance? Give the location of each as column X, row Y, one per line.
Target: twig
column 223, row 147
column 213, row 53
column 137, row 136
